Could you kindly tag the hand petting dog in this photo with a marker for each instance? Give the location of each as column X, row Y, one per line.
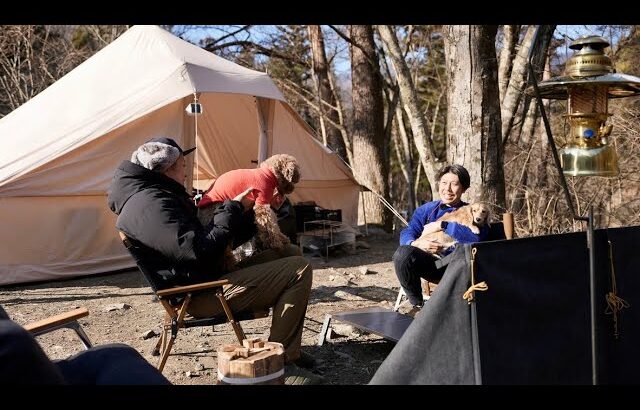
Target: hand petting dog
column 433, row 238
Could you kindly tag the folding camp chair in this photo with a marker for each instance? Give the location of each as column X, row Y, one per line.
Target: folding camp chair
column 68, row 320
column 426, row 294
column 497, row 231
column 175, row 301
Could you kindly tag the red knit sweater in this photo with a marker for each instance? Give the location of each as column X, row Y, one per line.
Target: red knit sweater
column 232, row 183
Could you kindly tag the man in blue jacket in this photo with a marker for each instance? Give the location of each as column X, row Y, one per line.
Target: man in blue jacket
column 413, row 262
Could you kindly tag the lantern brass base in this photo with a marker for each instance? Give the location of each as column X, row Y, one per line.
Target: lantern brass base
column 600, row 161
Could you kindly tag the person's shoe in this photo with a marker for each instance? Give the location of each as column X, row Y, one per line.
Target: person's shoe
column 408, row 308
column 294, row 375
column 305, row 360
column 415, row 309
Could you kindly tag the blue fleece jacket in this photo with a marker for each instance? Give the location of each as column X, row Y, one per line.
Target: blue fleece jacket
column 430, row 212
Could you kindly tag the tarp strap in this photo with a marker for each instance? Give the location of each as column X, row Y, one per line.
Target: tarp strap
column 615, row 303
column 482, row 286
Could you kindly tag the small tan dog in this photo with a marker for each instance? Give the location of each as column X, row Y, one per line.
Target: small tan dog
column 473, row 216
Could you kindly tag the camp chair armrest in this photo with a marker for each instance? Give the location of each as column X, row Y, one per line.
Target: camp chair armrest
column 57, row 320
column 191, row 288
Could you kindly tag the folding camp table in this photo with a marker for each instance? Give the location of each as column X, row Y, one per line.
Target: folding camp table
column 377, row 320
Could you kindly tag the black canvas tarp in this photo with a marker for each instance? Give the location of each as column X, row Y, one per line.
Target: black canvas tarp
column 532, row 326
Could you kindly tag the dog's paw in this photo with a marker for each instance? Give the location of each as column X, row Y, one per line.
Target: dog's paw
column 475, row 229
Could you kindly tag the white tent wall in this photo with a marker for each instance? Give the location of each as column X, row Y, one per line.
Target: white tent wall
column 55, row 238
column 228, row 133
column 62, row 147
column 226, row 143
column 326, row 180
column 55, row 220
column 88, row 169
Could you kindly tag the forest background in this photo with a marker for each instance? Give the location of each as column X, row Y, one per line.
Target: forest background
column 398, row 102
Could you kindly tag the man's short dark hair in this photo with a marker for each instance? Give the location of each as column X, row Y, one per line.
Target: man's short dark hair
column 455, row 169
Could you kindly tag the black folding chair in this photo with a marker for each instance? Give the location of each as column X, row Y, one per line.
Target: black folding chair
column 175, row 301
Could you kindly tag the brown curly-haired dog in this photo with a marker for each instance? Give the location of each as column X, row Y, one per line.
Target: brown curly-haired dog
column 275, row 177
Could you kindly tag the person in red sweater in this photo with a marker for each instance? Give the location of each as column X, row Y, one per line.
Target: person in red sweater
column 271, row 181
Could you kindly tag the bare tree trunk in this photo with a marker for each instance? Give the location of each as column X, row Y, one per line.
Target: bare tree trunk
column 417, row 183
column 510, row 40
column 346, row 139
column 32, row 57
column 406, row 161
column 370, row 167
column 409, row 100
column 473, row 117
column 543, row 182
column 530, row 169
column 326, row 104
column 517, row 80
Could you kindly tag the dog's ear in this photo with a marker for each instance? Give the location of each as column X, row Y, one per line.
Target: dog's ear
column 470, row 214
column 291, row 171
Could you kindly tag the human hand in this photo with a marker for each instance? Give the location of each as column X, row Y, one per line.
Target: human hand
column 428, row 245
column 277, row 200
column 247, row 203
column 431, row 227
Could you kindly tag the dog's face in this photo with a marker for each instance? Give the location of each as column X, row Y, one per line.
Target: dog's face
column 287, row 167
column 480, row 214
column 291, row 170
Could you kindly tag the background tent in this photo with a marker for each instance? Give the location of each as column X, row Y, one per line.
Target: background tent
column 532, row 325
column 60, row 149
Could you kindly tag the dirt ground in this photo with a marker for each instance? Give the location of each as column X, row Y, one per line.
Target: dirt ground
column 338, row 284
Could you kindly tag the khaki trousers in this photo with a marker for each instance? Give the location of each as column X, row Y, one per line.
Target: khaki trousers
column 281, row 280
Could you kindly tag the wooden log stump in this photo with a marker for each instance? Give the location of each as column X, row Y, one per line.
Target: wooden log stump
column 256, row 362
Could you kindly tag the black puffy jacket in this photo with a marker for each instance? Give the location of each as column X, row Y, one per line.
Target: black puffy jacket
column 156, row 211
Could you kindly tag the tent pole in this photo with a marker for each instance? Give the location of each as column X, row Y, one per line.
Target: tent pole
column 188, row 140
column 262, row 129
column 588, row 219
column 364, row 212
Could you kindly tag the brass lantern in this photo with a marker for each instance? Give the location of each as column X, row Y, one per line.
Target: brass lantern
column 589, row 81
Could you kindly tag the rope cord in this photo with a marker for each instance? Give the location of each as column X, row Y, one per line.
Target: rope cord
column 482, row 286
column 195, row 100
column 615, row 303
column 380, row 197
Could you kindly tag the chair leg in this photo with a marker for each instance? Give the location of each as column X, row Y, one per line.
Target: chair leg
column 238, row 331
column 160, row 345
column 81, row 334
column 236, row 326
column 401, row 294
column 427, row 288
column 165, row 352
column 325, row 328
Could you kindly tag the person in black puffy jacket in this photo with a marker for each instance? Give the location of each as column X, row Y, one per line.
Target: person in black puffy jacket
column 154, row 209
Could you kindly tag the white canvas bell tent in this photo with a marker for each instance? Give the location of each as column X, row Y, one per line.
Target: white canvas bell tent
column 60, row 149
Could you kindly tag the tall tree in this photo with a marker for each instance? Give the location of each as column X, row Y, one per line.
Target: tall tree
column 327, row 102
column 473, row 119
column 31, row 59
column 95, row 37
column 410, row 103
column 509, row 41
column 518, row 78
column 370, row 167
